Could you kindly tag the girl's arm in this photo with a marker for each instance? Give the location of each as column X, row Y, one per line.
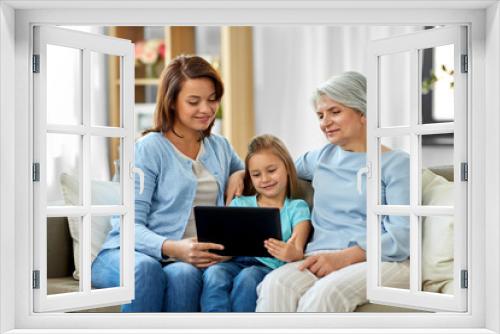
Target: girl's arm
column 293, row 249
column 300, row 236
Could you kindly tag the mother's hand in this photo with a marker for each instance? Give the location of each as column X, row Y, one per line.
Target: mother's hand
column 324, row 264
column 193, row 252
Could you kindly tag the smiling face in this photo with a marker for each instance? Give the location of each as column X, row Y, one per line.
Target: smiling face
column 341, row 125
column 268, row 174
column 195, row 106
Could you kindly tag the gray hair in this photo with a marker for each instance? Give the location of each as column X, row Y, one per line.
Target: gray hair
column 348, row 88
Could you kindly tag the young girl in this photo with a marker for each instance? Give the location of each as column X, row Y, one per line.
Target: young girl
column 270, row 181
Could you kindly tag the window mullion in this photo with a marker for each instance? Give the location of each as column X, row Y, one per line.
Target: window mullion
column 85, row 243
column 415, row 242
column 372, row 177
column 66, row 129
column 434, row 128
column 127, row 151
column 80, row 211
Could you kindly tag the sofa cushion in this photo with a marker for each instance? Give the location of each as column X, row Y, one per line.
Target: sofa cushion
column 59, row 248
column 103, row 193
column 379, row 308
column 437, row 236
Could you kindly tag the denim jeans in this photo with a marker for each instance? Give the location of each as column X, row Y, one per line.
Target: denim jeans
column 174, row 287
column 232, row 286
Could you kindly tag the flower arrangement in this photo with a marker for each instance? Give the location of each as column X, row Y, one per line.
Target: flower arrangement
column 150, row 53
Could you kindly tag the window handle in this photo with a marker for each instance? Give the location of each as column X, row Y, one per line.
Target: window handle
column 140, row 172
column 359, row 176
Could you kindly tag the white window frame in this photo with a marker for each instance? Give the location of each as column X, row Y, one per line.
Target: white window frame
column 87, row 43
column 412, row 44
column 16, row 212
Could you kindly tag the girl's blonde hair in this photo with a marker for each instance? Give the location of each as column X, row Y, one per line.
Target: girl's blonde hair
column 276, row 147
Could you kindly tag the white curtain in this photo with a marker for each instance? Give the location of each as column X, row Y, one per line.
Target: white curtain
column 290, row 62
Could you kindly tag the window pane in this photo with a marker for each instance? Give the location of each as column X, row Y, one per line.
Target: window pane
column 437, row 254
column 394, row 90
column 106, row 275
column 437, row 69
column 60, row 265
column 64, row 156
column 64, row 88
column 391, row 151
column 105, row 109
column 393, row 272
column 106, row 185
column 437, row 172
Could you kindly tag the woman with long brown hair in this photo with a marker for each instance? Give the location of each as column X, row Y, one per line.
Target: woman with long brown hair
column 184, row 166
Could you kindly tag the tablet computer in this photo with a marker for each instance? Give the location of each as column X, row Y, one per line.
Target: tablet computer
column 242, row 230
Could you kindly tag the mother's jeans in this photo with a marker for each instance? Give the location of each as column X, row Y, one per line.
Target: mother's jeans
column 159, row 287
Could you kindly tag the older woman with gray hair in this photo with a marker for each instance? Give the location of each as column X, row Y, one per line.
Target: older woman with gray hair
column 332, row 277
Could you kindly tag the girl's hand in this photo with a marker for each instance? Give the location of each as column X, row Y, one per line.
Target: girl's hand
column 284, row 251
column 193, row 252
column 235, row 185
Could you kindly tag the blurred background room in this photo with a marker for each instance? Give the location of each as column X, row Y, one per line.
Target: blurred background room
column 269, row 74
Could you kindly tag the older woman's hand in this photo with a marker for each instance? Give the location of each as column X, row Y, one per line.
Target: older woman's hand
column 324, row 264
column 235, row 185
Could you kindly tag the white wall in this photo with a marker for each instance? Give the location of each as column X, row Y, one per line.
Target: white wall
column 290, row 61
column 7, row 167
column 492, row 188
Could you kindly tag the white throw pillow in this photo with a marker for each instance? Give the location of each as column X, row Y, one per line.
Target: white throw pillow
column 103, row 193
column 437, row 235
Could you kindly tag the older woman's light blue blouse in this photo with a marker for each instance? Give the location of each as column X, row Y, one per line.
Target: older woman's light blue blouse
column 162, row 210
column 339, row 212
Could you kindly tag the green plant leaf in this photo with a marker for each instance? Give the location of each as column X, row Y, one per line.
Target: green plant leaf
column 218, row 113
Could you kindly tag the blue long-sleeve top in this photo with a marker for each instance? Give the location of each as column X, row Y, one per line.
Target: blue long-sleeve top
column 162, row 210
column 339, row 212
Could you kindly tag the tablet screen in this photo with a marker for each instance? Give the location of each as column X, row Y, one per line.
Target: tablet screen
column 242, row 230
